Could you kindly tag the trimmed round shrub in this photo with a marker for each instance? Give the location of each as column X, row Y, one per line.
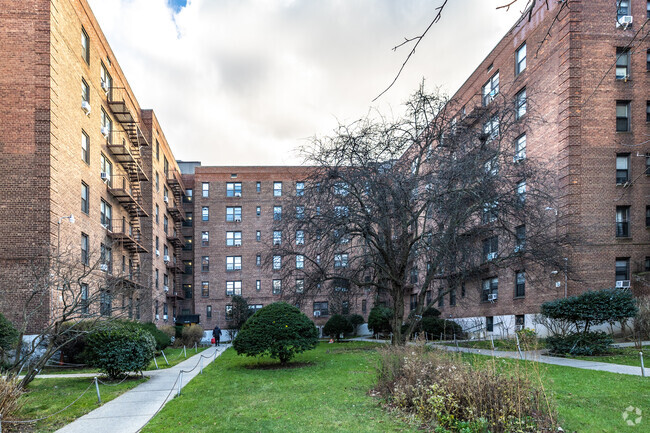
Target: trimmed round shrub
column 192, row 335
column 336, row 326
column 279, row 330
column 356, row 320
column 580, row 344
column 8, row 335
column 379, row 319
column 119, row 349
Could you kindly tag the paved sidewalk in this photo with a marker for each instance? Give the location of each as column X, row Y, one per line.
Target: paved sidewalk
column 132, row 410
column 539, row 357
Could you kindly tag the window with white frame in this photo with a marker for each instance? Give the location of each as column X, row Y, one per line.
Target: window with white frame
column 258, row 285
column 233, row 213
column 233, row 189
column 233, row 288
column 622, row 63
column 277, row 287
column 340, row 260
column 205, row 263
column 205, row 213
column 205, row 239
column 300, row 261
column 277, row 189
column 233, row 239
column 205, row 189
column 258, row 260
column 300, row 188
column 300, row 237
column 258, row 235
column 277, row 237
column 233, row 263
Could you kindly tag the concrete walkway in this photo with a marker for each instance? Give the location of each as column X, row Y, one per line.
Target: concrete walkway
column 538, row 356
column 132, row 410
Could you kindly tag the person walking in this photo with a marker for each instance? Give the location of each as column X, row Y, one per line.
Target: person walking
column 216, row 333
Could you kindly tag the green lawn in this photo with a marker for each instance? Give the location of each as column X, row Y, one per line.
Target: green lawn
column 328, row 394
column 47, row 396
column 174, row 356
column 331, row 394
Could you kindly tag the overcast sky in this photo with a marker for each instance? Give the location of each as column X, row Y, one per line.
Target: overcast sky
column 246, row 82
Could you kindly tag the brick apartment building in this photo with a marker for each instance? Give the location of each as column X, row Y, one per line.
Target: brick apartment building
column 186, row 243
column 587, row 77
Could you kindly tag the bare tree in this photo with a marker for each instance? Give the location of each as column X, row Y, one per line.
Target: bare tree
column 439, row 197
column 62, row 291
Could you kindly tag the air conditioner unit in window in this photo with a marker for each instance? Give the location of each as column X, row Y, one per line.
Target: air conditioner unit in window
column 157, row 253
column 104, row 176
column 519, row 327
column 165, row 317
column 238, row 194
column 492, row 297
column 103, row 267
column 623, row 284
column 105, row 86
column 277, row 243
column 238, row 245
column 166, row 259
column 491, row 256
column 166, row 199
column 625, row 21
column 166, row 289
column 85, row 105
column 105, row 131
column 317, row 313
column 237, row 219
column 157, row 316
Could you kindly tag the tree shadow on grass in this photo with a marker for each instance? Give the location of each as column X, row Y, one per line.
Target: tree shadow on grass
column 268, row 365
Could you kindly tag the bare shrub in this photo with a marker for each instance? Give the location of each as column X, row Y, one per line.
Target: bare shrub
column 440, row 389
column 10, row 392
column 169, row 330
column 192, row 335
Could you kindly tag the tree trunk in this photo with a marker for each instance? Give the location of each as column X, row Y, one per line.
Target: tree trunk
column 398, row 316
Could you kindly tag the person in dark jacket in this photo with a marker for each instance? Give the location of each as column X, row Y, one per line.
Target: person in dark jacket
column 216, row 333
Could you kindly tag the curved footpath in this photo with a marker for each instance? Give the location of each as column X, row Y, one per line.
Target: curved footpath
column 132, row 410
column 539, row 357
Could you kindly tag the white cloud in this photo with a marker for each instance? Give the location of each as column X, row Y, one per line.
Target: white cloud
column 245, row 82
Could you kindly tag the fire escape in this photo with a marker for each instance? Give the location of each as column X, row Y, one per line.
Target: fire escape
column 125, row 187
column 176, row 238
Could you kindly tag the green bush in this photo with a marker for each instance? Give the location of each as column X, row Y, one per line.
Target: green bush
column 192, row 335
column 118, row 349
column 434, row 326
column 73, row 337
column 336, row 326
column 379, row 319
column 431, row 312
column 592, row 308
column 356, row 320
column 162, row 339
column 279, row 330
column 580, row 344
column 8, row 335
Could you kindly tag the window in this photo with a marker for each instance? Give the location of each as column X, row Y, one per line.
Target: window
column 208, row 311
column 648, row 9
column 106, row 212
column 233, row 213
column 321, row 309
column 340, row 260
column 205, row 189
column 106, row 258
column 300, row 212
column 254, row 307
column 85, row 93
column 491, row 128
column 647, row 216
column 84, row 299
column 490, row 248
column 277, row 189
column 85, row 46
column 647, row 111
column 165, row 223
column 258, row 186
column 166, row 167
column 105, row 303
column 413, row 304
column 646, row 267
column 341, row 188
column 622, row 116
column 364, row 306
column 300, row 261
column 341, row 211
column 84, row 198
column 205, row 213
column 520, row 59
column 233, row 239
column 106, row 168
column 520, row 284
column 277, row 262
column 205, row 239
column 258, row 285
column 622, row 221
column 157, row 279
column 233, row 189
column 188, row 244
column 233, row 288
column 491, row 166
column 85, row 147
column 205, row 264
column 345, row 307
column 258, row 236
column 520, row 148
column 233, row 263
column 187, row 198
column 622, row 9
column 452, row 297
column 300, row 285
column 490, row 89
column 623, row 269
column 300, row 188
column 157, row 151
column 188, row 219
column 277, row 213
column 489, row 324
column 520, row 238
column 414, row 275
column 520, row 103
column 489, row 213
column 647, row 64
column 258, row 260
column 157, row 214
column 277, row 287
column 462, row 290
column 521, row 192
column 106, row 80
column 157, row 182
column 258, row 210
column 300, row 237
column 622, row 168
column 84, row 249
column 490, row 286
column 205, row 289
column 441, row 298
column 622, row 63
column 188, row 267
column 277, row 237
